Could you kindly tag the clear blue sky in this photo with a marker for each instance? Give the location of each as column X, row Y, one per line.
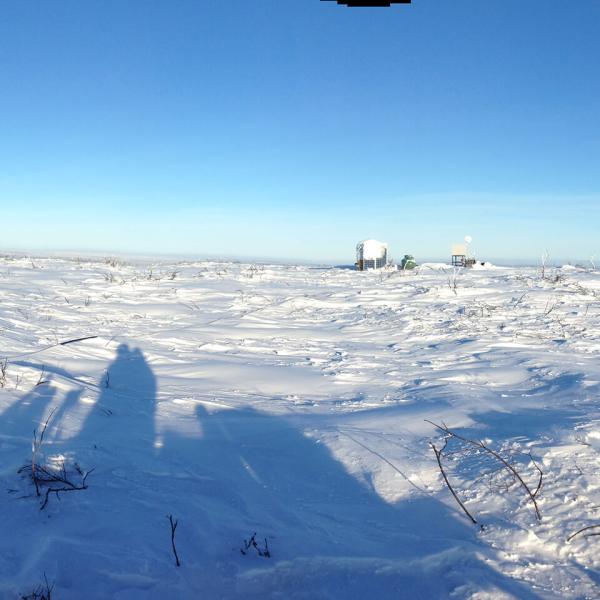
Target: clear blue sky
column 294, row 128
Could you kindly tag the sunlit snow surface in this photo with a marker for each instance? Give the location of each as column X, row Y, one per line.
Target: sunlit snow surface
column 291, row 402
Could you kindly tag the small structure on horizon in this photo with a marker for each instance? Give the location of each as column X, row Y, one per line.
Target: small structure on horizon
column 460, row 254
column 371, row 254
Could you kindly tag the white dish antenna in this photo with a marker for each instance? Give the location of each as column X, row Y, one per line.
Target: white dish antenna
column 468, row 239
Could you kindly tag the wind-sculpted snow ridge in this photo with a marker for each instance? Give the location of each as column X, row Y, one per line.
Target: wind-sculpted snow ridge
column 289, row 406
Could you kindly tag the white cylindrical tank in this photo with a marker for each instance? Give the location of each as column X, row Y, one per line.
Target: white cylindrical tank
column 371, row 254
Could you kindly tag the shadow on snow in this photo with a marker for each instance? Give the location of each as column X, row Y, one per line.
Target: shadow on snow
column 248, row 471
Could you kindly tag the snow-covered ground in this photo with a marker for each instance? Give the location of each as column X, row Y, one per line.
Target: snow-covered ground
column 292, row 402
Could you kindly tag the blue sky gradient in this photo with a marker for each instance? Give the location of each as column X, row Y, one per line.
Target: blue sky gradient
column 291, row 129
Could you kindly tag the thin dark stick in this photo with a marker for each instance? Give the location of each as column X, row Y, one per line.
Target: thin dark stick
column 36, row 446
column 49, row 588
column 582, row 530
column 46, row 426
column 81, row 339
column 438, row 454
column 173, row 528
column 539, row 486
column 41, row 380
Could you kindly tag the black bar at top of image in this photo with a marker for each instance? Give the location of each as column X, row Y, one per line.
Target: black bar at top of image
column 382, row 3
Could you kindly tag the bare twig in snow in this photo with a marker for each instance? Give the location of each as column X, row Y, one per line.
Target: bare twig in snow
column 252, row 543
column 41, row 592
column 81, row 339
column 174, row 524
column 582, row 530
column 438, row 455
column 41, row 379
column 56, row 480
column 35, row 448
column 62, row 478
column 549, row 307
column 485, row 448
column 539, row 485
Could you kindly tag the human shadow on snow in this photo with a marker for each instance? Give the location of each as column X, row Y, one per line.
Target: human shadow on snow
column 122, row 418
column 247, row 471
column 27, row 413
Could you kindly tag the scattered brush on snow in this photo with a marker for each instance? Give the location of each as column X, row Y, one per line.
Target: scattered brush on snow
column 174, row 524
column 551, row 276
column 252, row 543
column 41, row 592
column 52, row 479
column 113, row 262
column 555, row 278
column 452, row 281
column 498, row 472
column 254, row 270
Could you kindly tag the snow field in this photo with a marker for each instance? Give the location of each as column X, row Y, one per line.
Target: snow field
column 292, row 401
